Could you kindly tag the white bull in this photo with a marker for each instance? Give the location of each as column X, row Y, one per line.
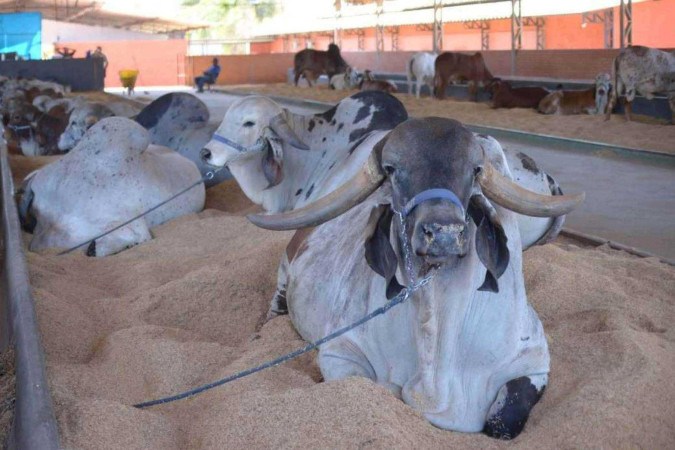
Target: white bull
column 421, row 68
column 273, row 170
column 112, row 175
column 467, row 350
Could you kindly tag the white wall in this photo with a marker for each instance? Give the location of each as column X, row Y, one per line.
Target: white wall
column 53, row 31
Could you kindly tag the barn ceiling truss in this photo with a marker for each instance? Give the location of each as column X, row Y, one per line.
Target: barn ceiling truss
column 484, row 27
column 626, row 22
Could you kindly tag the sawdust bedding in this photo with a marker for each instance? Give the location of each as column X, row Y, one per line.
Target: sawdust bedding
column 187, row 308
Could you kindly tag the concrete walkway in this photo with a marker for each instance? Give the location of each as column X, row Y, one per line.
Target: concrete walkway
column 629, row 199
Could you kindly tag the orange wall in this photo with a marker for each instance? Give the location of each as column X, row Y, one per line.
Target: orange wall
column 653, row 26
column 160, row 63
column 272, row 68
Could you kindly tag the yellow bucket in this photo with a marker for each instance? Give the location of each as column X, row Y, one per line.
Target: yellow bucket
column 128, row 77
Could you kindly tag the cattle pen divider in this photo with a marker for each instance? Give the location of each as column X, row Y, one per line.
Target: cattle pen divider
column 34, row 425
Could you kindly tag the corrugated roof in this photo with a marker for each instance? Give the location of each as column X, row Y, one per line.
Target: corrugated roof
column 412, row 12
column 95, row 13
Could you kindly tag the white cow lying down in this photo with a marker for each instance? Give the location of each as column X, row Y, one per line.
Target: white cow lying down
column 112, row 175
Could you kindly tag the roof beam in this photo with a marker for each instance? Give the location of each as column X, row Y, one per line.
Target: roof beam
column 82, row 12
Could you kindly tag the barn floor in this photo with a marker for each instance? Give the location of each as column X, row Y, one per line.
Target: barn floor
column 186, row 309
column 644, row 133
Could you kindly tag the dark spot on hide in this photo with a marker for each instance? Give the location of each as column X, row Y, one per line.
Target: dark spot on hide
column 91, row 250
column 332, row 122
column 332, row 165
column 328, row 115
column 298, row 192
column 150, row 115
column 281, row 305
column 340, row 125
column 311, row 125
column 528, row 163
column 324, row 139
column 388, row 111
column 358, row 142
column 508, row 422
column 309, row 192
column 361, row 114
column 323, row 154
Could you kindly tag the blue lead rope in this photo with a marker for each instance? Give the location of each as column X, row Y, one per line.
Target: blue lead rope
column 400, row 298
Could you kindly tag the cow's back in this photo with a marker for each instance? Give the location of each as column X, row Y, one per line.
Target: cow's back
column 645, row 69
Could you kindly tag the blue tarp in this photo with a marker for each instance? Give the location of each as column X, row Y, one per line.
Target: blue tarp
column 21, row 33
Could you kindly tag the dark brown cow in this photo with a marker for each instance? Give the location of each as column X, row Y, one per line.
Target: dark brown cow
column 370, row 84
column 312, row 63
column 505, row 96
column 452, row 66
column 569, row 102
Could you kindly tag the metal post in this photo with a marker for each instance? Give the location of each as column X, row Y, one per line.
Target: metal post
column 626, row 22
column 394, row 31
column 484, row 27
column 337, row 32
column 516, row 32
column 379, row 29
column 438, row 26
column 609, row 28
column 541, row 35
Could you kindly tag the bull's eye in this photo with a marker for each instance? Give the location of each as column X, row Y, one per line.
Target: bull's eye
column 389, row 169
column 249, row 124
column 477, row 170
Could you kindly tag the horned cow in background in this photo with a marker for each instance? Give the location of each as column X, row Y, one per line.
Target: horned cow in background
column 467, row 350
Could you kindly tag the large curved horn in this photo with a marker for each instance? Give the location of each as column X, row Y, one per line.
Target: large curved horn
column 326, row 208
column 280, row 126
column 508, row 194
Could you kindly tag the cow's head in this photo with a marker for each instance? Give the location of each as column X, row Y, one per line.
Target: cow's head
column 81, row 119
column 602, row 89
column 442, row 189
column 251, row 141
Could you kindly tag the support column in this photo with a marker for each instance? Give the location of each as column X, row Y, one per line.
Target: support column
column 516, row 32
column 438, row 26
column 394, row 31
column 626, row 22
column 379, row 29
column 484, row 27
column 539, row 23
column 609, row 28
column 337, row 32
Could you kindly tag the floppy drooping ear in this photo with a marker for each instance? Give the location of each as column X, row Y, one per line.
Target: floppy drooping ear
column 490, row 241
column 380, row 255
column 272, row 163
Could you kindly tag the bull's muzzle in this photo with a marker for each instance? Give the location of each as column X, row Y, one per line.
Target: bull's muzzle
column 437, row 241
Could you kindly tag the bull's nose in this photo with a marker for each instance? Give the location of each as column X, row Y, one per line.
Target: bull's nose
column 439, row 240
column 205, row 154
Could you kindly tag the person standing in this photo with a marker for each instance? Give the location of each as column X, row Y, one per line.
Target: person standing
column 98, row 53
column 209, row 77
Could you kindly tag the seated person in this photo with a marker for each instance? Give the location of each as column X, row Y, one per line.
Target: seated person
column 209, row 77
